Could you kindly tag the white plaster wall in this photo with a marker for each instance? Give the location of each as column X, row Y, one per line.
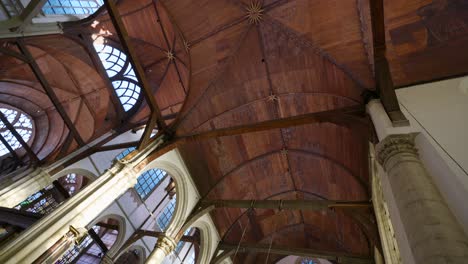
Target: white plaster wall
column 439, row 111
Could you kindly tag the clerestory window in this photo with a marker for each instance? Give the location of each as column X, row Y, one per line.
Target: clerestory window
column 71, row 7
column 121, row 73
column 23, row 125
column 165, row 218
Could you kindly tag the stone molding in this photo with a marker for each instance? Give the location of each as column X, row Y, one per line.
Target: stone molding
column 166, row 244
column 396, row 144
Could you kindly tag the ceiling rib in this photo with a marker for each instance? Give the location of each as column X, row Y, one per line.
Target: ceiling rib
column 49, row 91
column 156, row 116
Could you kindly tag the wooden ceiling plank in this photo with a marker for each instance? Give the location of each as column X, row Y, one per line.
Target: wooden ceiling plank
column 383, row 76
column 49, row 91
column 122, row 33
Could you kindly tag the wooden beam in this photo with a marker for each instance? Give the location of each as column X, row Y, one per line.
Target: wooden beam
column 344, row 116
column 20, row 139
column 108, row 226
column 156, row 116
column 50, row 92
column 312, row 205
column 98, row 240
column 337, row 257
column 117, row 146
column 143, row 233
column 383, row 77
column 13, row 54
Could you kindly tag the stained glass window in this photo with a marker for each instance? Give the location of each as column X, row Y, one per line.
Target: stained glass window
column 165, row 217
column 71, row 7
column 121, row 74
column 42, row 202
column 22, row 124
column 148, row 181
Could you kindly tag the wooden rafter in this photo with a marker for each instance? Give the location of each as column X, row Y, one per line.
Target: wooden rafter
column 383, row 76
column 347, row 116
column 156, row 116
column 49, row 91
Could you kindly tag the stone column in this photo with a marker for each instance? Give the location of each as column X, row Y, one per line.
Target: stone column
column 164, row 246
column 434, row 234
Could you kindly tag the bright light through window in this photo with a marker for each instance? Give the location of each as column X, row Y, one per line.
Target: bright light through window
column 121, row 74
column 22, row 124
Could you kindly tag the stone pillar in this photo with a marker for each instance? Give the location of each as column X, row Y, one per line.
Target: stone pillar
column 164, row 246
column 433, row 232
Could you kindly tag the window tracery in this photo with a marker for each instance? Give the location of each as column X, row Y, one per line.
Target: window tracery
column 71, row 7
column 121, row 73
column 22, row 124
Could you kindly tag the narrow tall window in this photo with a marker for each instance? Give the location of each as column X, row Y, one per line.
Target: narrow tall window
column 165, row 218
column 22, row 124
column 71, row 7
column 121, row 74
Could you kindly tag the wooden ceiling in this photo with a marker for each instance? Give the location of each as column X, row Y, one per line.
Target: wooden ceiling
column 224, row 63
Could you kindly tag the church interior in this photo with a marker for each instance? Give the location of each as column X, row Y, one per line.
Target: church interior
column 233, row 131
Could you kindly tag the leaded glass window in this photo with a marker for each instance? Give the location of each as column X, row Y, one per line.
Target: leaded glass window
column 42, row 202
column 125, row 153
column 70, row 255
column 71, row 7
column 148, row 181
column 121, row 73
column 165, row 217
column 22, row 124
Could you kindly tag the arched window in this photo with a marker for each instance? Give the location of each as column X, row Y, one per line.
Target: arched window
column 22, row 124
column 71, row 7
column 165, row 217
column 121, row 74
column 148, row 181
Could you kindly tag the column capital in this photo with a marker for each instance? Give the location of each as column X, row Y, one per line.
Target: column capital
column 166, row 244
column 396, row 144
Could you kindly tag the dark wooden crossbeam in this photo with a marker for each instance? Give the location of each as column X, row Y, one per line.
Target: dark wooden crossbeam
column 49, row 91
column 118, row 146
column 383, row 77
column 312, row 205
column 12, row 53
column 98, row 240
column 337, row 257
column 156, row 116
column 347, row 116
column 344, row 116
column 108, row 226
column 20, row 139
